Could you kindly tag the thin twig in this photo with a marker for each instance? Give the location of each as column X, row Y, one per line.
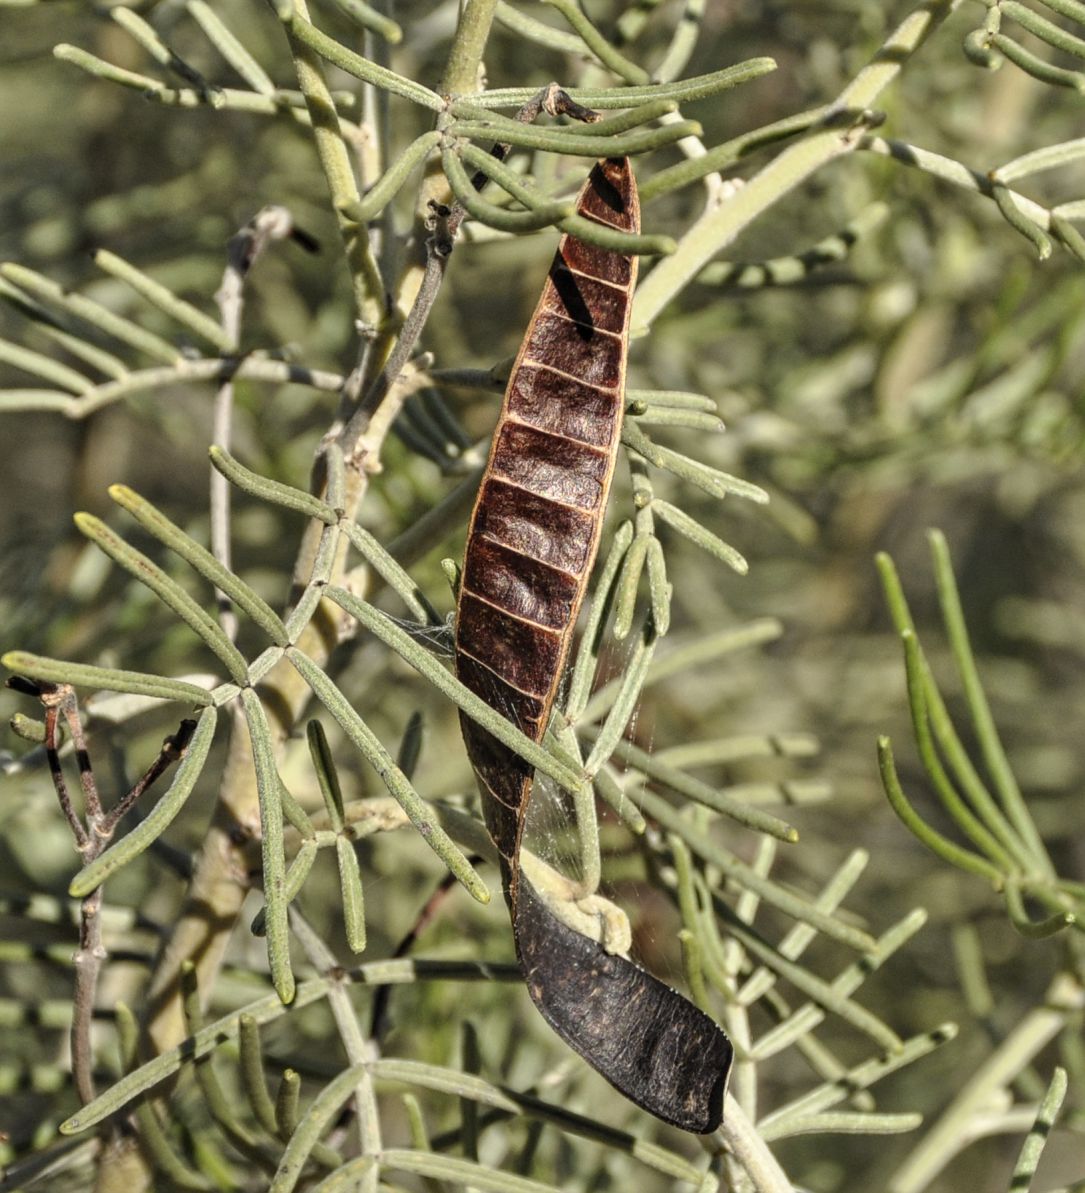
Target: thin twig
column 425, row 917
column 173, row 749
column 741, row 1141
column 244, row 248
column 359, row 1050
column 92, row 834
column 48, row 696
column 92, row 801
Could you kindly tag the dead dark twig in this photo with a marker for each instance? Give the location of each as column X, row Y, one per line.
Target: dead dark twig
column 92, row 833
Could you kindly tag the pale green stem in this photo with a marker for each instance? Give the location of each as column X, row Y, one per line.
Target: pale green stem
column 465, row 56
column 718, row 228
column 335, row 162
column 944, row 1140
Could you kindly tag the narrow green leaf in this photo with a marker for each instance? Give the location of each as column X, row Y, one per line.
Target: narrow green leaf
column 294, row 812
column 165, row 300
column 845, row 1122
column 361, row 68
column 269, row 490
column 825, row 997
column 350, row 883
column 385, row 189
column 719, row 800
column 988, row 830
column 132, row 23
column 557, row 140
column 537, row 31
column 299, row 869
column 746, row 877
column 539, row 216
column 219, row 1106
column 584, row 229
column 326, row 773
column 726, row 153
column 168, row 591
column 800, row 936
column 52, row 401
column 678, row 398
column 416, row 1123
column 625, row 596
column 629, row 692
column 252, row 1073
column 633, row 118
column 133, row 843
column 640, row 114
column 93, row 313
column 271, row 845
column 991, row 748
column 369, row 18
column 1026, row 925
column 692, row 968
column 98, row 358
column 929, row 698
column 44, row 367
column 151, row 1135
column 608, row 55
column 312, row 1124
column 964, row 859
column 296, row 874
column 108, row 679
column 1016, row 218
column 711, row 480
column 698, row 87
column 443, row 1080
column 229, row 47
column 392, row 777
column 659, row 590
column 410, row 746
column 461, row 1172
column 286, row 1104
column 1047, row 158
column 1068, row 236
column 1039, row 68
column 28, row 729
column 1072, row 9
column 202, row 560
column 691, row 529
column 591, row 641
column 862, row 1076
column 665, row 416
column 1045, row 30
column 346, row 1178
column 101, row 69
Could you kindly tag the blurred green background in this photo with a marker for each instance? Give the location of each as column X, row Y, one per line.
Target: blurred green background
column 934, row 378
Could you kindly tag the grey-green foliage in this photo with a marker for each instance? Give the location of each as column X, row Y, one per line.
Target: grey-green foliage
column 741, row 930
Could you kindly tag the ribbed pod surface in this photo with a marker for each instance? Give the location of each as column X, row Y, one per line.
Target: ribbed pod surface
column 532, row 542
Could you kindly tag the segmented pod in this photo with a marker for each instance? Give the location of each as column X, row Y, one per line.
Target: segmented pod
column 533, row 539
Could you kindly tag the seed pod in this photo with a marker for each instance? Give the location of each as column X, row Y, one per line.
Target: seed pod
column 533, row 539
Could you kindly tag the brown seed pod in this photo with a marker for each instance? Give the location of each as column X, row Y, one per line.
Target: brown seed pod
column 533, row 539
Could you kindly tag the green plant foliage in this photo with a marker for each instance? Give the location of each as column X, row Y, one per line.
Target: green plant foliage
column 265, row 984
